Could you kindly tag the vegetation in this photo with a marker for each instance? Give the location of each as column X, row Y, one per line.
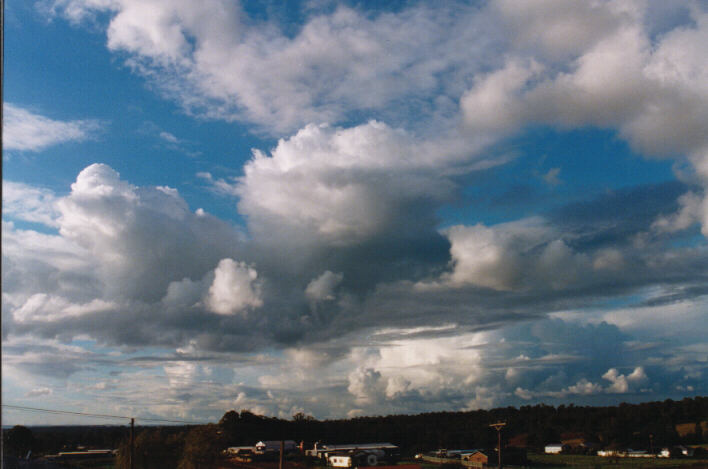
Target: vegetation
column 624, row 425
column 575, row 461
column 668, row 422
column 18, row 440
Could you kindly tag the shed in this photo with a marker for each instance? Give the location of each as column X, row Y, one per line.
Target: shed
column 555, row 448
column 274, row 446
column 477, row 457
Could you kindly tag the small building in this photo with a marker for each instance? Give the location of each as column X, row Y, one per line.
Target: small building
column 685, row 451
column 239, row 450
column 324, row 451
column 274, row 446
column 555, row 448
column 638, row 453
column 608, row 453
column 475, row 459
column 340, row 461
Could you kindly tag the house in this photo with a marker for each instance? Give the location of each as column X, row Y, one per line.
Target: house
column 555, row 448
column 239, row 450
column 685, row 451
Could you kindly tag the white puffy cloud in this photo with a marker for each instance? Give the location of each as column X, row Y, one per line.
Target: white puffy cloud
column 29, row 203
column 493, row 103
column 556, row 29
column 27, row 131
column 512, row 255
column 693, row 209
column 401, row 372
column 619, row 383
column 650, row 90
column 37, row 392
column 217, row 61
column 340, row 186
column 143, row 238
column 234, row 288
column 584, row 387
column 37, row 263
column 350, row 194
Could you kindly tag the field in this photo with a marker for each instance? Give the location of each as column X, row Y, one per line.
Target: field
column 551, row 461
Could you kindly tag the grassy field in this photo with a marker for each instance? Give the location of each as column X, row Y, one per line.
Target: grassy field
column 550, row 461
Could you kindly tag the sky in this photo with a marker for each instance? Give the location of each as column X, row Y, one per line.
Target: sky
column 352, row 208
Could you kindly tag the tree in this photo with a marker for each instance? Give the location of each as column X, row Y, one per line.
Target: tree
column 202, row 447
column 154, row 449
column 18, row 440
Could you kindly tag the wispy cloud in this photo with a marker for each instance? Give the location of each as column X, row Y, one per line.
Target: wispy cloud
column 29, row 203
column 28, row 131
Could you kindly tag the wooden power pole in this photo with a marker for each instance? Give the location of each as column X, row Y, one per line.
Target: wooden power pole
column 132, row 441
column 498, row 426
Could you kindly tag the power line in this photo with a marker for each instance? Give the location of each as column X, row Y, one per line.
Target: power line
column 88, row 414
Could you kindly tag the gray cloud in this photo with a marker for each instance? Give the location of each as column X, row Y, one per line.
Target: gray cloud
column 343, row 268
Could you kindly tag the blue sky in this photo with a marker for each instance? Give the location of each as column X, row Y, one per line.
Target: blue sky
column 352, row 209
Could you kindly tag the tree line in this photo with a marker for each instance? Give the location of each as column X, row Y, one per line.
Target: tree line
column 625, row 425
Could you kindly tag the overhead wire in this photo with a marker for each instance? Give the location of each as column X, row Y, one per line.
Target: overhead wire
column 89, row 414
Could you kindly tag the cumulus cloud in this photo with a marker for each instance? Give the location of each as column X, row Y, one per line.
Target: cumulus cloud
column 234, row 288
column 658, row 105
column 556, row 29
column 365, row 384
column 217, row 61
column 124, row 254
column 619, row 383
column 29, row 203
column 693, row 209
column 135, row 232
column 27, row 131
column 37, row 392
column 345, row 214
column 342, row 186
column 512, row 255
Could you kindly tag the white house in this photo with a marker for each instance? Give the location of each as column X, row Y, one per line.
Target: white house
column 554, row 448
column 685, row 450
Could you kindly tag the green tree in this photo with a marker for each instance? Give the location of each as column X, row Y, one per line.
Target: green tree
column 18, row 440
column 202, row 447
column 154, row 449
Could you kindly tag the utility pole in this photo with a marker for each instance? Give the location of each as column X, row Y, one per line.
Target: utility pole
column 132, row 441
column 282, row 453
column 651, row 445
column 498, row 426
